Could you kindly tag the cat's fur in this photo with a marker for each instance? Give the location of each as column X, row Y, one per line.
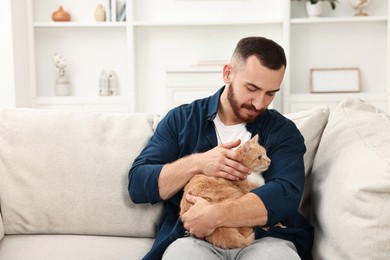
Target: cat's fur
column 216, row 190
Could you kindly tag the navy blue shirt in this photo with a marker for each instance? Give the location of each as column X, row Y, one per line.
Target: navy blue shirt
column 189, row 129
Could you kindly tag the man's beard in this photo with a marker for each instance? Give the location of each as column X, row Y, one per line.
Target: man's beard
column 237, row 108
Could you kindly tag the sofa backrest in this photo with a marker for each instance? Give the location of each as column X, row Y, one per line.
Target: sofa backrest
column 66, row 172
column 1, row 228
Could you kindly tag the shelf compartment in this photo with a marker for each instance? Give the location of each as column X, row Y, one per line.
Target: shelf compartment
column 87, row 53
column 145, row 23
column 339, row 20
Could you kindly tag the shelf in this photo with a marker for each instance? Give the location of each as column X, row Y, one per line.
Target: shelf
column 78, row 24
column 69, row 100
column 207, row 23
column 164, row 47
column 314, row 97
column 339, row 20
column 108, row 104
column 196, row 69
column 298, row 102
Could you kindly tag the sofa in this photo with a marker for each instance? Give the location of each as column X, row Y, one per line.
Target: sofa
column 63, row 183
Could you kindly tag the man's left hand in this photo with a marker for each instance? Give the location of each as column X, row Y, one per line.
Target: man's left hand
column 200, row 220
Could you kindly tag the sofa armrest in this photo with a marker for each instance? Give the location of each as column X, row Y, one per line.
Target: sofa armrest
column 1, row 227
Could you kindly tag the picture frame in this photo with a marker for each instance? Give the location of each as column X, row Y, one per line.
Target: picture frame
column 337, row 80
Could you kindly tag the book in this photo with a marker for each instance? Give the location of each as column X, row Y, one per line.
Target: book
column 121, row 15
column 110, row 10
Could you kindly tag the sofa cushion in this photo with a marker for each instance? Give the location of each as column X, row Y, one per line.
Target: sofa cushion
column 66, row 172
column 351, row 184
column 311, row 124
column 65, row 247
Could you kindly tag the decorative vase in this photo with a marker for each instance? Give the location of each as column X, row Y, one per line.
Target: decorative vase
column 61, row 15
column 100, row 13
column 314, row 10
column 62, row 87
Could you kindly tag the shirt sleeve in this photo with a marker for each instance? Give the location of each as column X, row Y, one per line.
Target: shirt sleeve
column 161, row 149
column 284, row 180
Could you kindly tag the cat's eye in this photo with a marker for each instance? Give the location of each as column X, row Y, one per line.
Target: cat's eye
column 260, row 157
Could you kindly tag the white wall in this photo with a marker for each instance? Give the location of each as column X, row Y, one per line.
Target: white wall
column 14, row 91
column 7, row 82
column 20, row 53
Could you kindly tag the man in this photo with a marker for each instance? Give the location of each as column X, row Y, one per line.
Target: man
column 198, row 138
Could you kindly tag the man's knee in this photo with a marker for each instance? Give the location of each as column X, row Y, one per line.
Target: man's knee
column 188, row 248
column 270, row 248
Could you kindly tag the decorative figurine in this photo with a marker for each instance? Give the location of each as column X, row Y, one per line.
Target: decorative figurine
column 108, row 83
column 100, row 13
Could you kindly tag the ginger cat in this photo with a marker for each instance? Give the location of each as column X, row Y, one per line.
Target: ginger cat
column 215, row 190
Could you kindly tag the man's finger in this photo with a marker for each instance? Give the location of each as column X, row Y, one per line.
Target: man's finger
column 232, row 144
column 190, row 198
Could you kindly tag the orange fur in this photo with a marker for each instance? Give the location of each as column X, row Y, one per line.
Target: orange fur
column 216, row 190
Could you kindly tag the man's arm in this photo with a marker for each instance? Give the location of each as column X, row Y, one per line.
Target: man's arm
column 219, row 162
column 203, row 218
column 263, row 206
column 157, row 174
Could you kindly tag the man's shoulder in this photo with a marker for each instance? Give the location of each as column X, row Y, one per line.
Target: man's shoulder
column 277, row 125
column 276, row 118
column 195, row 108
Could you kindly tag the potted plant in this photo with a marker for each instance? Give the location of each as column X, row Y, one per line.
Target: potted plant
column 62, row 87
column 331, row 2
column 314, row 8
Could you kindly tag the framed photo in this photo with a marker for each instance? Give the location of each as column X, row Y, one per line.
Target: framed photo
column 335, row 80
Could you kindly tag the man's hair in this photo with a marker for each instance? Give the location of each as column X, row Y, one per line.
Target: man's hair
column 269, row 53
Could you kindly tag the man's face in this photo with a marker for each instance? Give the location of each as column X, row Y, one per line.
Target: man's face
column 251, row 88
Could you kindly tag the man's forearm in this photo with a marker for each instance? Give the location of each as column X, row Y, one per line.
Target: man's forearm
column 247, row 211
column 174, row 176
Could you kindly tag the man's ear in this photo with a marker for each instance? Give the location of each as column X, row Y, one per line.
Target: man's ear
column 227, row 70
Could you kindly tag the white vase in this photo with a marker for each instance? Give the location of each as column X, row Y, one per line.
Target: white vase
column 62, row 87
column 314, row 10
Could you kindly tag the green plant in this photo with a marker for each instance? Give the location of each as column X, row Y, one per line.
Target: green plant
column 331, row 2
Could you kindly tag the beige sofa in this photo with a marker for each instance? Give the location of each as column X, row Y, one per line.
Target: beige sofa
column 63, row 183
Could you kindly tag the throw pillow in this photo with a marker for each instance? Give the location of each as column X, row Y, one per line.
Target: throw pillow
column 351, row 184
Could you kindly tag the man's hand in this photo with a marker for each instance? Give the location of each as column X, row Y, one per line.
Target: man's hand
column 201, row 219
column 221, row 161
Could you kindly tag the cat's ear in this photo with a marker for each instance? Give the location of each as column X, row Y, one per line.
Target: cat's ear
column 255, row 139
column 246, row 147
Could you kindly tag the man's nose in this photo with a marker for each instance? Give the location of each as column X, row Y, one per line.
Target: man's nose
column 258, row 102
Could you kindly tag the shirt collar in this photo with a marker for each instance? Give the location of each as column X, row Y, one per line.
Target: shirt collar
column 212, row 108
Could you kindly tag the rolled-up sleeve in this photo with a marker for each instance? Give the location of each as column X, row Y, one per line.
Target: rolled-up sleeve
column 145, row 171
column 285, row 178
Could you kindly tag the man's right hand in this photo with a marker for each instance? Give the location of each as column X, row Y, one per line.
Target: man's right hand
column 223, row 162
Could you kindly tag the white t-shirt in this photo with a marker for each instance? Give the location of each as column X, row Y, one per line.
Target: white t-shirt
column 229, row 133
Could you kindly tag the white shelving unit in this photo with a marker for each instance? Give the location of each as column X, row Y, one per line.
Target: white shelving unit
column 161, row 41
column 89, row 47
column 339, row 40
